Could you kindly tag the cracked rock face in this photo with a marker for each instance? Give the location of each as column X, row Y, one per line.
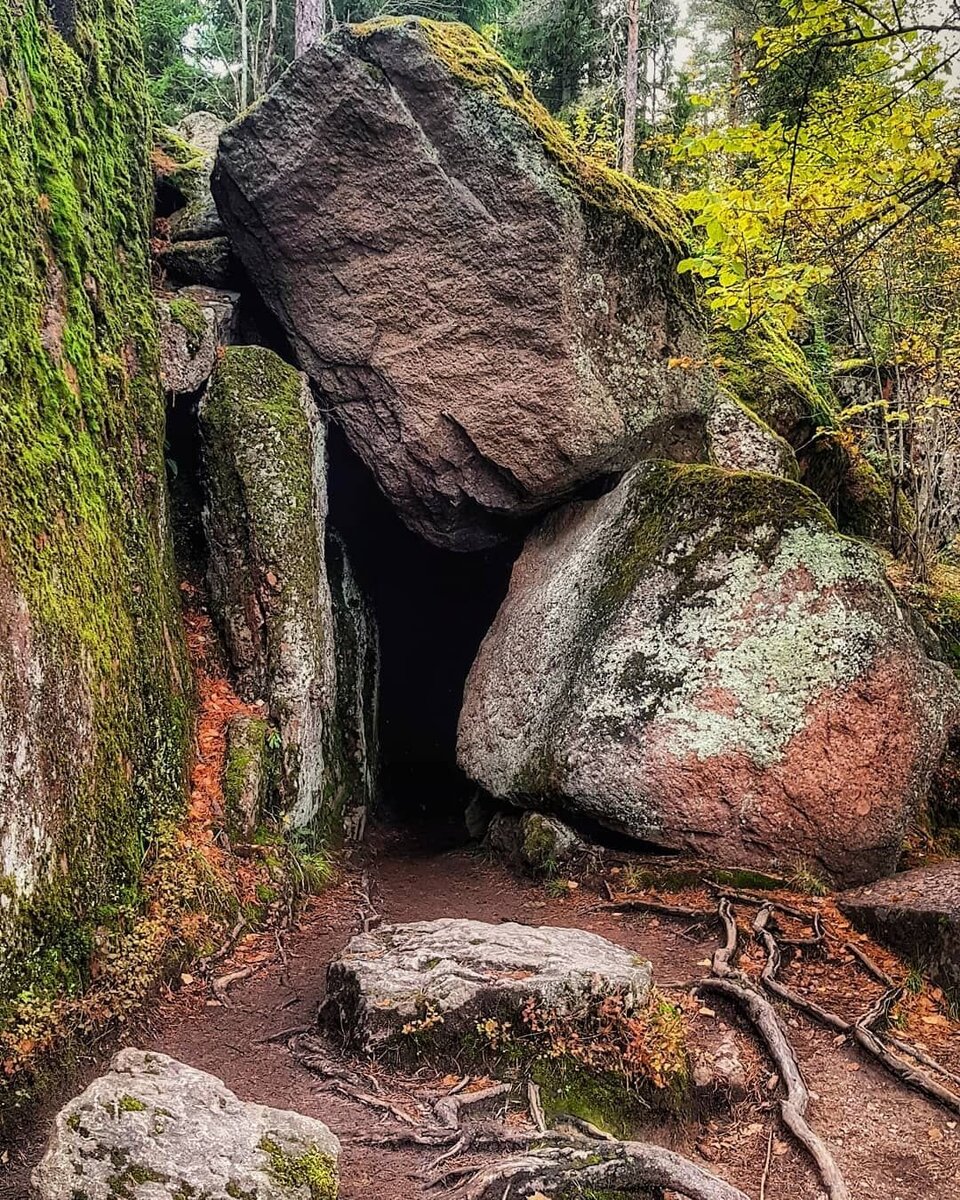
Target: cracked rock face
column 153, row 1128
column 699, row 660
column 444, row 976
column 489, row 339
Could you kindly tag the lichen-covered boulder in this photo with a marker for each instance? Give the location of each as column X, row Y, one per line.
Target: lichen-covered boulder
column 535, row 840
column 193, row 323
column 698, row 659
column 155, row 1129
column 264, row 451
column 915, row 914
column 738, row 440
column 444, row 977
column 493, row 319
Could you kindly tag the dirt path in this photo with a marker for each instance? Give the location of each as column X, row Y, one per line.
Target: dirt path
column 891, row 1144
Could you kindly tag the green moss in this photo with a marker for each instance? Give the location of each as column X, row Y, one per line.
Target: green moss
column 472, row 60
column 313, row 1170
column 131, row 1104
column 189, row 315
column 694, row 513
column 83, row 557
column 767, row 370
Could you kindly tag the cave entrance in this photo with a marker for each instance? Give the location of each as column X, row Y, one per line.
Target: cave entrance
column 432, row 608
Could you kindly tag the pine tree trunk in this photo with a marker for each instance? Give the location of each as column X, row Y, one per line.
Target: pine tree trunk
column 630, row 87
column 310, row 24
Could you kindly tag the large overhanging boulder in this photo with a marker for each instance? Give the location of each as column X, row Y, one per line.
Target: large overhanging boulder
column 494, row 319
column 698, row 659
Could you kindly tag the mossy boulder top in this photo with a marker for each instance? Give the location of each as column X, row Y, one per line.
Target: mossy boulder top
column 153, row 1128
column 698, row 659
column 439, row 980
column 493, row 318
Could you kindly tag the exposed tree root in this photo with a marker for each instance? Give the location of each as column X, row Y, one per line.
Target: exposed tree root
column 793, row 1106
column 861, row 1031
column 612, row 1166
column 736, row 986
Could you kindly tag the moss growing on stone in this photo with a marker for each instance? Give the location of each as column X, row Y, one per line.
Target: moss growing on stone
column 189, row 316
column 767, row 370
column 693, row 513
column 313, row 1170
column 92, row 666
column 471, row 59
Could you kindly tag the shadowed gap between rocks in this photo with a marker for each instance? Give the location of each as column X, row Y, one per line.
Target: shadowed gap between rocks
column 432, row 608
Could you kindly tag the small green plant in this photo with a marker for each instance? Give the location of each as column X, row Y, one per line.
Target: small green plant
column 803, row 879
column 914, row 982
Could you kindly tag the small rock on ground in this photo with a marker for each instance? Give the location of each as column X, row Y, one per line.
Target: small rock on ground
column 153, row 1128
column 445, row 976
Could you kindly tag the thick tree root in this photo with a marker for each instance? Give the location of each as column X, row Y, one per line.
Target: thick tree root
column 734, row 985
column 861, row 1031
column 604, row 1166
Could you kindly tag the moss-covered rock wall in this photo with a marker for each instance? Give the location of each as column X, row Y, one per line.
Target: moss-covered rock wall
column 94, row 691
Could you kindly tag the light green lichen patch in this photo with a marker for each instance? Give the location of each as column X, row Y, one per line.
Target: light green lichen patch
column 754, row 598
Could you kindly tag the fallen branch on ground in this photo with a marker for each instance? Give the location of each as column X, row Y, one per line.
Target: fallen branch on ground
column 448, row 1108
column 223, row 983
column 706, row 916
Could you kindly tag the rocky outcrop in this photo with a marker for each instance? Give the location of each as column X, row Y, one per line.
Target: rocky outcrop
column 445, row 977
column 193, row 322
column 264, row 449
column 916, row 914
column 209, row 262
column 155, row 1129
column 493, row 319
column 94, row 707
column 699, row 660
column 308, row 652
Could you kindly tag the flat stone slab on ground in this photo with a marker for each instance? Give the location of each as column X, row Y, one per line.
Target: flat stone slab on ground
column 453, row 973
column 916, row 914
column 153, row 1128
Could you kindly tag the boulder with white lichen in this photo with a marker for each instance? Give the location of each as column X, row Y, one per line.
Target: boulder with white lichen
column 699, row 660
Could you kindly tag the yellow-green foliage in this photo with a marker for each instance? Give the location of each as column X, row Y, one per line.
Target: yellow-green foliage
column 82, row 486
column 471, row 59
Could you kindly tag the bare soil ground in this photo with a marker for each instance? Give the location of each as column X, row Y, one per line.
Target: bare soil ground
column 891, row 1143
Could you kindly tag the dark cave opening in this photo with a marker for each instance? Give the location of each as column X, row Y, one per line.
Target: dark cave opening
column 185, row 480
column 433, row 608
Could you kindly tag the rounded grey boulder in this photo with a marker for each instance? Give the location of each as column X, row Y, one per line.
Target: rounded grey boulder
column 153, row 1128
